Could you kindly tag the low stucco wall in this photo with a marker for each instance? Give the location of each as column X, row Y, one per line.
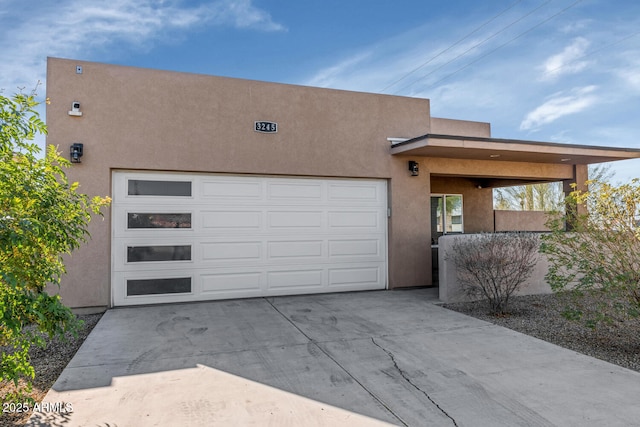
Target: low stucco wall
column 520, row 220
column 451, row 291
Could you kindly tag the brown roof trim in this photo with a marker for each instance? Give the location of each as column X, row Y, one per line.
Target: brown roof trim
column 513, row 141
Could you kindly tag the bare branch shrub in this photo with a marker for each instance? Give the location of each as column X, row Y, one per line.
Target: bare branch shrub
column 492, row 266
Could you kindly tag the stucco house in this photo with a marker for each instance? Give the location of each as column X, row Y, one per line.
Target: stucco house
column 229, row 188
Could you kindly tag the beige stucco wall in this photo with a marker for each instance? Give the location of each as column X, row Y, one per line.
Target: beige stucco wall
column 520, row 220
column 442, row 126
column 141, row 119
column 156, row 120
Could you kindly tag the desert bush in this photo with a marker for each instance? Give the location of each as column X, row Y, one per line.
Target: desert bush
column 601, row 255
column 492, row 266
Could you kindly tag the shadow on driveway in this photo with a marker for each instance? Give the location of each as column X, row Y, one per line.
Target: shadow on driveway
column 334, row 359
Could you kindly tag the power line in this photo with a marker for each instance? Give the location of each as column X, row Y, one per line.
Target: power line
column 452, row 46
column 593, row 52
column 478, row 44
column 504, row 44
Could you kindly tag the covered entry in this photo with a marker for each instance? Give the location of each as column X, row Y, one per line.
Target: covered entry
column 458, row 175
column 187, row 237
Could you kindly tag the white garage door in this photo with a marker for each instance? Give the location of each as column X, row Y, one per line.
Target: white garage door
column 189, row 237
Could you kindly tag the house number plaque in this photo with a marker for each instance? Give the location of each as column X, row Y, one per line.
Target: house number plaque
column 266, row 127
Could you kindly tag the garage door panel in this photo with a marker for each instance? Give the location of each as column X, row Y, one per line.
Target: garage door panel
column 359, row 221
column 350, row 191
column 158, row 253
column 150, row 254
column 339, row 249
column 152, row 221
column 127, row 286
column 152, row 187
column 295, row 280
column 229, row 188
column 159, row 188
column 354, row 276
column 232, row 251
column 230, row 221
column 171, row 285
column 295, row 219
column 244, row 283
column 281, row 251
column 294, row 191
column 242, row 236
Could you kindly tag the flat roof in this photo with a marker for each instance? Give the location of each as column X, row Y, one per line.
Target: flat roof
column 510, row 150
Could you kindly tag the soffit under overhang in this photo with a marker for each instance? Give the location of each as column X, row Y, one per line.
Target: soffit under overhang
column 508, row 150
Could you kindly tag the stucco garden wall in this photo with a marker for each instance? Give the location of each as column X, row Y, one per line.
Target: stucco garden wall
column 451, row 291
column 520, row 220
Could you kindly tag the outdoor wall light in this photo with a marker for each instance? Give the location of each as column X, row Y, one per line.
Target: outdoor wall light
column 414, row 168
column 75, row 152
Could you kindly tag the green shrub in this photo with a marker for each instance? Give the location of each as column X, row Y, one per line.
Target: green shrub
column 42, row 217
column 601, row 254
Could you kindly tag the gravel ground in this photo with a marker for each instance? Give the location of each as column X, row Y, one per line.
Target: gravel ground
column 540, row 316
column 48, row 363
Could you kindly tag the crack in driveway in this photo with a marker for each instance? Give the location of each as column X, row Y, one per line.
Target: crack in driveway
column 311, row 341
column 408, row 380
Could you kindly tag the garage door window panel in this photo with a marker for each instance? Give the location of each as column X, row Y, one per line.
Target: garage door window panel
column 177, row 285
column 136, row 220
column 158, row 253
column 143, row 187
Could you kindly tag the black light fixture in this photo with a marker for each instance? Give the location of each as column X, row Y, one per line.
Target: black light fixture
column 414, row 168
column 75, row 152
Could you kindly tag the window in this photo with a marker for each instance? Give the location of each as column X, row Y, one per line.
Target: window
column 178, row 285
column 446, row 214
column 141, row 187
column 158, row 220
column 158, row 253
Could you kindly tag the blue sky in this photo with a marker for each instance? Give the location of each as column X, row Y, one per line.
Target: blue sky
column 549, row 70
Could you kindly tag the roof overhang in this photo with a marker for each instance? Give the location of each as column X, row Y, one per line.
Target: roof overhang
column 510, row 150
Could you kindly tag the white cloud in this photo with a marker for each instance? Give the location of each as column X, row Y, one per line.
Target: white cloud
column 77, row 27
column 563, row 136
column 334, row 75
column 243, row 14
column 576, row 26
column 559, row 105
column 567, row 61
column 406, row 64
column 631, row 75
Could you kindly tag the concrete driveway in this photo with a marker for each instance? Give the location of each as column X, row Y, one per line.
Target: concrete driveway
column 365, row 358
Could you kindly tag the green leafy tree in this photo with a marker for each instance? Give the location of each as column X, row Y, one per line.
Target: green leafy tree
column 42, row 217
column 600, row 257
